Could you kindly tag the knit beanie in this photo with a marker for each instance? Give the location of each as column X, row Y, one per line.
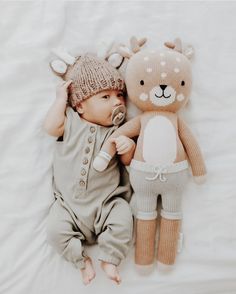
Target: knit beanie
column 91, row 75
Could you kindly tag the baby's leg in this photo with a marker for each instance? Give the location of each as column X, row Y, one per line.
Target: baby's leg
column 116, row 236
column 66, row 238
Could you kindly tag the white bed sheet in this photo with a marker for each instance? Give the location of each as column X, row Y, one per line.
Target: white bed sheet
column 28, row 31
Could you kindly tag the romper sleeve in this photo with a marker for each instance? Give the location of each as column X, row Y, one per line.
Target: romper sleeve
column 72, row 119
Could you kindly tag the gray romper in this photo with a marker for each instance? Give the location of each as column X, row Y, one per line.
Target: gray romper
column 90, row 206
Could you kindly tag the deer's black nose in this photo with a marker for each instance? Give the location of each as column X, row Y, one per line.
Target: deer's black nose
column 163, row 87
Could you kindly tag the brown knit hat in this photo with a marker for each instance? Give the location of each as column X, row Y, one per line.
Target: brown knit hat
column 91, row 75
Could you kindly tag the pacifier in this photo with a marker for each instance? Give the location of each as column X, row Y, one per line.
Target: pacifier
column 118, row 115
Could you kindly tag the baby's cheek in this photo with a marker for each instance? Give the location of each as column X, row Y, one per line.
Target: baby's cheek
column 123, row 101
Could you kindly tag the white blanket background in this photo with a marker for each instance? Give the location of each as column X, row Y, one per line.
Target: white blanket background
column 28, row 31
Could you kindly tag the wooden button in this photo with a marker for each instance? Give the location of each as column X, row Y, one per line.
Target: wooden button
column 90, row 139
column 85, row 160
column 82, row 183
column 87, row 150
column 92, row 129
column 83, row 172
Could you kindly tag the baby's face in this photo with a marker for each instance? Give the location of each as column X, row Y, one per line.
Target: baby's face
column 98, row 108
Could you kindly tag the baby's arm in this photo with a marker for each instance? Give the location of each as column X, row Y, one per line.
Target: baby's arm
column 130, row 129
column 125, row 147
column 55, row 119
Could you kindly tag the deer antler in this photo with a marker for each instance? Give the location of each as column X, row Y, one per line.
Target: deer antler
column 177, row 45
column 137, row 44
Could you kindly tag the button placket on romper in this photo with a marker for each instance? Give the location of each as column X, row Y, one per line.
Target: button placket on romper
column 86, row 158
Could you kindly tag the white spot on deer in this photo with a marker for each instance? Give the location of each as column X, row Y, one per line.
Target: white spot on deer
column 149, row 69
column 180, row 97
column 163, row 63
column 143, row 97
column 164, row 75
column 176, row 70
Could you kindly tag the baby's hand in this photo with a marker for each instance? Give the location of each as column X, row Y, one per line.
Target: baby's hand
column 123, row 144
column 62, row 90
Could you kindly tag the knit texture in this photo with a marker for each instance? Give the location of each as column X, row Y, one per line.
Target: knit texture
column 167, row 248
column 91, row 75
column 145, row 242
column 192, row 149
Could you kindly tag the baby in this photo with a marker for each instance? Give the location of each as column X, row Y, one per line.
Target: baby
column 89, row 206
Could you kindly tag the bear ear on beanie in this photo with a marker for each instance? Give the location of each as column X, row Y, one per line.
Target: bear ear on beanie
column 115, row 59
column 107, row 50
column 60, row 66
column 177, row 45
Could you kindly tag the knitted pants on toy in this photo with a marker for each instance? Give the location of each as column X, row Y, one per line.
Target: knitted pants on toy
column 148, row 183
column 67, row 234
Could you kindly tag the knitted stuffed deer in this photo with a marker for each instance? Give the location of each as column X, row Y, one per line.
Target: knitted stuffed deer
column 159, row 83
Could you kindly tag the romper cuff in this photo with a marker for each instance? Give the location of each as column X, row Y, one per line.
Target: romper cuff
column 79, row 262
column 109, row 259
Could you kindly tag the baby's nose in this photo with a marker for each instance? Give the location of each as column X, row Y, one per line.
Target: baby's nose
column 117, row 101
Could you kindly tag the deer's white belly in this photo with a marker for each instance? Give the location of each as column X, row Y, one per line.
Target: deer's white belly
column 159, row 141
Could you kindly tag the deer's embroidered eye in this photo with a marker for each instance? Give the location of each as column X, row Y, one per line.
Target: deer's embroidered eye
column 182, row 83
column 142, row 82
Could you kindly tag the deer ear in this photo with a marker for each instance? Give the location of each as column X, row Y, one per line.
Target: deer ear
column 189, row 52
column 134, row 44
column 142, row 41
column 169, row 45
column 137, row 44
column 176, row 45
column 124, row 51
column 59, row 67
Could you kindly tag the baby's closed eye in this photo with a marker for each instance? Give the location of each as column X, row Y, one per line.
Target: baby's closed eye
column 105, row 97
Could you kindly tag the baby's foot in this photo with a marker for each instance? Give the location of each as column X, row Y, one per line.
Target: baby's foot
column 88, row 273
column 111, row 271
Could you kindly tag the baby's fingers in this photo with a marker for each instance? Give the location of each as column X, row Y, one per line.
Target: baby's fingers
column 120, row 145
column 123, row 150
column 66, row 84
